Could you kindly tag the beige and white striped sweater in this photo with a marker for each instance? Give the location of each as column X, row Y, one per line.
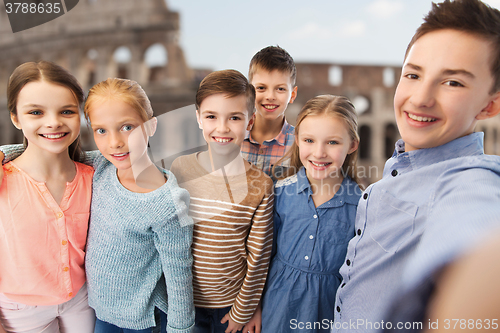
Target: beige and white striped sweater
column 232, row 237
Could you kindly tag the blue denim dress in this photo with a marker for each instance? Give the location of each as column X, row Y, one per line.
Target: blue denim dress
column 310, row 244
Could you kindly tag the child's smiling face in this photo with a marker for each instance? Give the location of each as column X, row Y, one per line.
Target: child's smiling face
column 444, row 88
column 274, row 91
column 224, row 121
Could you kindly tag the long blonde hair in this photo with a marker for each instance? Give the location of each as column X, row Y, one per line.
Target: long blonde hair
column 330, row 105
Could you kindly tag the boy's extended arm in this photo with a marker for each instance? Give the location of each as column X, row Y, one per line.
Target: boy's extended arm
column 468, row 289
column 259, row 244
column 173, row 242
column 2, row 330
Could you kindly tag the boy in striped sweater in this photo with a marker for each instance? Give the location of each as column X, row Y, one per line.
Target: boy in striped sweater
column 231, row 205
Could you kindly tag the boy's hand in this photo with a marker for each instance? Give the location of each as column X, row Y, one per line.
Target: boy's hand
column 255, row 323
column 232, row 326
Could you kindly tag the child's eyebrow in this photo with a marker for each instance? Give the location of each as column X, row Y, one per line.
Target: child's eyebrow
column 460, row 72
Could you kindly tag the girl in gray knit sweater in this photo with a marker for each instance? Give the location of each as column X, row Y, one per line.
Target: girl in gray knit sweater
column 138, row 260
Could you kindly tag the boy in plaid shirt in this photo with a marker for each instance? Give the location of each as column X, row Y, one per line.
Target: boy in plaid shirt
column 272, row 72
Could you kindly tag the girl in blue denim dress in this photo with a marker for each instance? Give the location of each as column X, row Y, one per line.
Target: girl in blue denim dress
column 314, row 213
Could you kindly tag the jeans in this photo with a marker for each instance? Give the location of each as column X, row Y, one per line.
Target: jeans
column 161, row 325
column 73, row 316
column 208, row 320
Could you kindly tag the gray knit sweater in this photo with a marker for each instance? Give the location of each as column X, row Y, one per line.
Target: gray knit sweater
column 133, row 239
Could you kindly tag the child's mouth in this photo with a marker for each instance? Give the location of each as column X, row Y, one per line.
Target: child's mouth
column 270, row 107
column 320, row 165
column 222, row 140
column 420, row 119
column 54, row 136
column 121, row 156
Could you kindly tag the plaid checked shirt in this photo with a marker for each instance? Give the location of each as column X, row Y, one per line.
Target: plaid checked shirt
column 266, row 155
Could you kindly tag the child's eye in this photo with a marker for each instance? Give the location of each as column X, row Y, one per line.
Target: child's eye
column 308, row 140
column 412, row 76
column 35, row 112
column 100, row 131
column 282, row 89
column 453, row 83
column 260, row 88
column 68, row 112
column 235, row 118
column 127, row 128
column 333, row 142
column 210, row 117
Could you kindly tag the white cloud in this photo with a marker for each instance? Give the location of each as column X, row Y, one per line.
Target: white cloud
column 493, row 3
column 311, row 30
column 353, row 29
column 384, row 9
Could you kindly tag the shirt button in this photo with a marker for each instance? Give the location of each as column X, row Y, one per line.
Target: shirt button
column 59, row 215
column 306, row 257
column 348, row 262
column 338, row 308
column 365, row 196
column 315, row 216
column 261, row 151
column 311, row 237
column 394, row 173
column 64, row 242
column 359, row 232
column 66, row 269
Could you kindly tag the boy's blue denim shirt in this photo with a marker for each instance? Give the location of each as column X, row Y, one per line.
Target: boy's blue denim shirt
column 430, row 205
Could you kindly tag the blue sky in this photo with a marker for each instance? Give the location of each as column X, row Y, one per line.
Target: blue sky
column 221, row 34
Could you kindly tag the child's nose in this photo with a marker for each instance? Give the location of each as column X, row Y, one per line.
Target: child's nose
column 319, row 151
column 115, row 141
column 223, row 126
column 423, row 95
column 54, row 121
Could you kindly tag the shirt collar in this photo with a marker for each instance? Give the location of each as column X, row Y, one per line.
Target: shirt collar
column 469, row 145
column 280, row 138
column 349, row 191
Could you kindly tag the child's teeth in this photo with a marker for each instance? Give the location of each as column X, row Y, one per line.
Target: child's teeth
column 419, row 118
column 270, row 107
column 319, row 164
column 53, row 136
column 222, row 140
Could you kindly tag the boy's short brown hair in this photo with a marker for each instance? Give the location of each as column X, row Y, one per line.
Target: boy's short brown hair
column 273, row 58
column 228, row 82
column 470, row 16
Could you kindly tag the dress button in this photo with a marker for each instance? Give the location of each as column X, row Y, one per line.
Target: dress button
column 59, row 215
column 342, row 286
column 359, row 232
column 306, row 257
column 394, row 173
column 64, row 242
column 365, row 196
column 311, row 236
column 315, row 216
column 66, row 269
column 348, row 262
column 338, row 308
column 70, row 294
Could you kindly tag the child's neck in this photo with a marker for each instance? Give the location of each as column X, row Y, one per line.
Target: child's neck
column 223, row 165
column 264, row 130
column 142, row 177
column 55, row 170
column 324, row 189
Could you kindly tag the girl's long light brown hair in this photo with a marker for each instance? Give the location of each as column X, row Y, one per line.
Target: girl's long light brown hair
column 329, row 105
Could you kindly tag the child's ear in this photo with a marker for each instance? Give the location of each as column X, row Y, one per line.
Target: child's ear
column 14, row 120
column 294, row 94
column 492, row 109
column 354, row 147
column 151, row 126
column 198, row 119
column 251, row 122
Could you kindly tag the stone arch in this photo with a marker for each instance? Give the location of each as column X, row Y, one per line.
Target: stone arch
column 391, row 136
column 365, row 133
column 122, row 57
column 156, row 60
